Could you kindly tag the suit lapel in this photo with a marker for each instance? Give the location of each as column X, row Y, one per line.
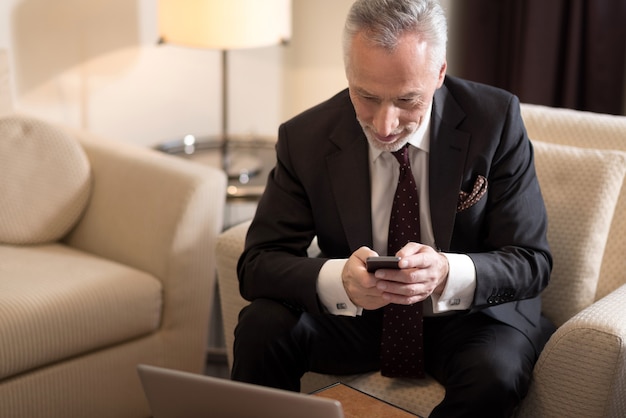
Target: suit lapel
column 348, row 169
column 448, row 152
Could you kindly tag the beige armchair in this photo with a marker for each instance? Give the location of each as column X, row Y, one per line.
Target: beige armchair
column 582, row 371
column 106, row 261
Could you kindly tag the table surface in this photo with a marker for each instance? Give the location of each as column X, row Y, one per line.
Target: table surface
column 357, row 404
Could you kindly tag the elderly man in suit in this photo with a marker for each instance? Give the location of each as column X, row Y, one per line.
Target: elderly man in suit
column 470, row 276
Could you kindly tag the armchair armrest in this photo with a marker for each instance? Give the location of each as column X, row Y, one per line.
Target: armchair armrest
column 145, row 205
column 582, row 370
column 229, row 247
column 159, row 214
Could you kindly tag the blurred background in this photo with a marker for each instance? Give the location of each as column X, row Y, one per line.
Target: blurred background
column 97, row 64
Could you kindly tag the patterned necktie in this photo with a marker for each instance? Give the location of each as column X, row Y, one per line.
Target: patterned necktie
column 401, row 343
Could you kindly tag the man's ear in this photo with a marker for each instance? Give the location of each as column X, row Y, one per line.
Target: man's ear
column 442, row 73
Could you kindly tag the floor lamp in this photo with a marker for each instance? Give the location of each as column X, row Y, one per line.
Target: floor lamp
column 225, row 25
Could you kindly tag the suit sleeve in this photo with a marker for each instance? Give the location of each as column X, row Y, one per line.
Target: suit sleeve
column 274, row 263
column 513, row 260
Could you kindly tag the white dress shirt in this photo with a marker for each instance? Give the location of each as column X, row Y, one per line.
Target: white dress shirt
column 384, row 170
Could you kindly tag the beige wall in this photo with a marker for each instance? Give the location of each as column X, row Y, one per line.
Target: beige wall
column 96, row 64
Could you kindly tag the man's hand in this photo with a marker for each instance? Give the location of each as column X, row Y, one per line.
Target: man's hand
column 360, row 285
column 423, row 271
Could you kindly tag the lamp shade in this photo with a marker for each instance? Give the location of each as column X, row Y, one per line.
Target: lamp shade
column 225, row 24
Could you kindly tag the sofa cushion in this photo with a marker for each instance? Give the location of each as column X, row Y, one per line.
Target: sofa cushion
column 588, row 130
column 580, row 188
column 45, row 182
column 57, row 303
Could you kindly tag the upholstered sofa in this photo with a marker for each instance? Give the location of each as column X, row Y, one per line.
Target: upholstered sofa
column 582, row 371
column 106, row 261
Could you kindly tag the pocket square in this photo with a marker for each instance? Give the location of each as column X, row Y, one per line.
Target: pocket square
column 467, row 200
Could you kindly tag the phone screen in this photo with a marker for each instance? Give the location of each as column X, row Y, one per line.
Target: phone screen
column 381, row 262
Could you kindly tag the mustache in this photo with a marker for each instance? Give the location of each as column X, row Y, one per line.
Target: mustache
column 398, row 131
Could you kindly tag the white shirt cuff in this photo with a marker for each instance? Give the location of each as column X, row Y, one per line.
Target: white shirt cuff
column 459, row 291
column 331, row 292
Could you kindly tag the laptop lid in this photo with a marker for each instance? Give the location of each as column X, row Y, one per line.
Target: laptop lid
column 177, row 394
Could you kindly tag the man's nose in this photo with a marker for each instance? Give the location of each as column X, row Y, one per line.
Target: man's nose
column 386, row 119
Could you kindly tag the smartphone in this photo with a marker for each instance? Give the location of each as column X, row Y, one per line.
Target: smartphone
column 381, row 262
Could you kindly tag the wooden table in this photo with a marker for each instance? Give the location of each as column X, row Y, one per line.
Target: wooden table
column 357, row 404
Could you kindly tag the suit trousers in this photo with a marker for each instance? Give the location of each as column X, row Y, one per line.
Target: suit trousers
column 484, row 365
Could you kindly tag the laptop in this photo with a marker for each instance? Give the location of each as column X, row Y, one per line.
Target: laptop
column 177, row 394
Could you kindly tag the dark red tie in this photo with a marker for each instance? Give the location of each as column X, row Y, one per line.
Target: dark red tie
column 401, row 343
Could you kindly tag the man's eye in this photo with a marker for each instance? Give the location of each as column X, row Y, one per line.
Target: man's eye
column 407, row 103
column 412, row 103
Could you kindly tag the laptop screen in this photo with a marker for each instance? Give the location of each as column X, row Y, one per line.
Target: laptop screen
column 176, row 394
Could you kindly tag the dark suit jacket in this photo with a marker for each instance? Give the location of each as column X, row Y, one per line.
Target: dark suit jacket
column 320, row 187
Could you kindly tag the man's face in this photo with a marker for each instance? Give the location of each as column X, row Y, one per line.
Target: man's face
column 391, row 91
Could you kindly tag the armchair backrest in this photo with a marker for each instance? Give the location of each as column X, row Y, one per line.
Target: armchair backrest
column 580, row 188
column 588, row 130
column 6, row 96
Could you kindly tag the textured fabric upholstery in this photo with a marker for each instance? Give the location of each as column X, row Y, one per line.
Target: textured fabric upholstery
column 229, row 247
column 588, row 130
column 52, row 315
column 582, row 369
column 6, row 96
column 581, row 188
column 131, row 283
column 45, row 182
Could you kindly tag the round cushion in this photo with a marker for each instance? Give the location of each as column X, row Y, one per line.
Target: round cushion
column 45, row 182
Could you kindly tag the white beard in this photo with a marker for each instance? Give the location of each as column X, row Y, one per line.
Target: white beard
column 387, row 146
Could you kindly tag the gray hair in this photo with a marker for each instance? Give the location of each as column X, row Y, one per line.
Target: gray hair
column 384, row 21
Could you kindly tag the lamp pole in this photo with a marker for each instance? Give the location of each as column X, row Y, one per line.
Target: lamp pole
column 225, row 138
